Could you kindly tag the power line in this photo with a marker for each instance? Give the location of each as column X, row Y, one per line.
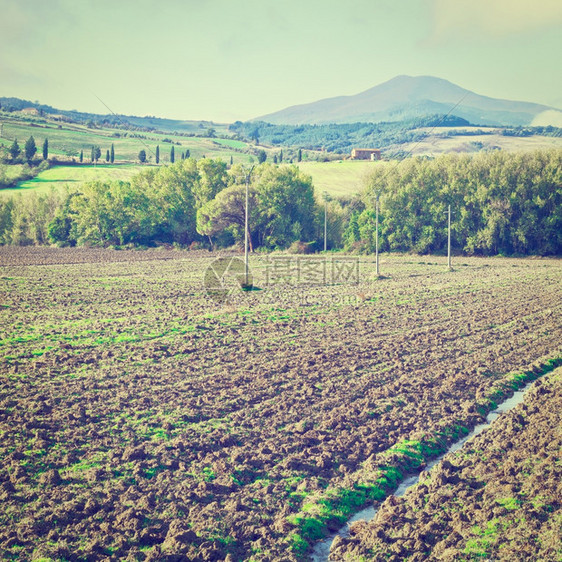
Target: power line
column 120, row 121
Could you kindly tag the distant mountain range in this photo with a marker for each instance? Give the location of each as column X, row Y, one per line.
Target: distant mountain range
column 407, row 97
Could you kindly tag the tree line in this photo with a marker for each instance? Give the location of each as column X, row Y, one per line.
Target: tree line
column 502, row 204
column 183, row 203
column 340, row 138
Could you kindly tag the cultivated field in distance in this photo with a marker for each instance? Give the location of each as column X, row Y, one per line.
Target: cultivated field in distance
column 140, row 417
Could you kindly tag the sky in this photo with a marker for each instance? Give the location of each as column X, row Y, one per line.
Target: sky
column 227, row 60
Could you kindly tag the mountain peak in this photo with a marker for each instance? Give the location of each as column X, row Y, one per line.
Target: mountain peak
column 404, row 97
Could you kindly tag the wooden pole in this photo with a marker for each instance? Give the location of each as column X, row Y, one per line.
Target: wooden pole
column 246, row 230
column 325, row 221
column 449, row 239
column 377, row 234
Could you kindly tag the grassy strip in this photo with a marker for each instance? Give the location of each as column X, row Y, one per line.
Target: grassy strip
column 504, row 388
column 330, row 510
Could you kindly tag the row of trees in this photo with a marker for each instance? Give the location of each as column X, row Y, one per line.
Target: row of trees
column 189, row 201
column 502, row 203
column 17, row 155
column 95, row 154
column 143, row 156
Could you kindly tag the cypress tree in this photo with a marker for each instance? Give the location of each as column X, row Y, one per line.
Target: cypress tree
column 81, row 156
column 30, row 148
column 92, row 154
column 45, row 148
column 299, row 157
column 172, row 155
column 187, row 153
column 15, row 149
column 280, row 157
column 107, row 155
column 157, row 154
column 112, row 154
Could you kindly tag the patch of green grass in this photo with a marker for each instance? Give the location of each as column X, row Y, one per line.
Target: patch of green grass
column 231, row 143
column 298, row 545
column 509, row 503
column 344, row 177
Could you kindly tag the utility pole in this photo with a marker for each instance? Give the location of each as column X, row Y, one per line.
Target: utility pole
column 449, row 239
column 325, row 193
column 246, row 228
column 377, row 234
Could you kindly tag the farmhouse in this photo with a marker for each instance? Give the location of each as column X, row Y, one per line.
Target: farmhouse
column 30, row 111
column 365, row 154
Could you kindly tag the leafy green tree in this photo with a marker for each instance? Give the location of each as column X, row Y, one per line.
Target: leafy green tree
column 45, row 148
column 97, row 153
column 142, row 156
column 15, row 149
column 112, row 154
column 227, row 211
column 282, row 208
column 262, row 156
column 110, row 213
column 157, row 154
column 287, row 206
column 172, row 155
column 212, row 177
column 176, row 192
column 352, row 233
column 60, row 228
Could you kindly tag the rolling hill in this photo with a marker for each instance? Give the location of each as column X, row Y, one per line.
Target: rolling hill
column 406, row 97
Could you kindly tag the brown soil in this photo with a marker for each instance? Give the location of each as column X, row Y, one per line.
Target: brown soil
column 498, row 498
column 140, row 420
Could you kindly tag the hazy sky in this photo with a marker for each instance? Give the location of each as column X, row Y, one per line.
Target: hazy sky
column 224, row 60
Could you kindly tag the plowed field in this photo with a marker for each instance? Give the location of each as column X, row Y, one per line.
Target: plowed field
column 500, row 498
column 142, row 420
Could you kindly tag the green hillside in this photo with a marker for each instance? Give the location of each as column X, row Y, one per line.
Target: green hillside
column 66, row 140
